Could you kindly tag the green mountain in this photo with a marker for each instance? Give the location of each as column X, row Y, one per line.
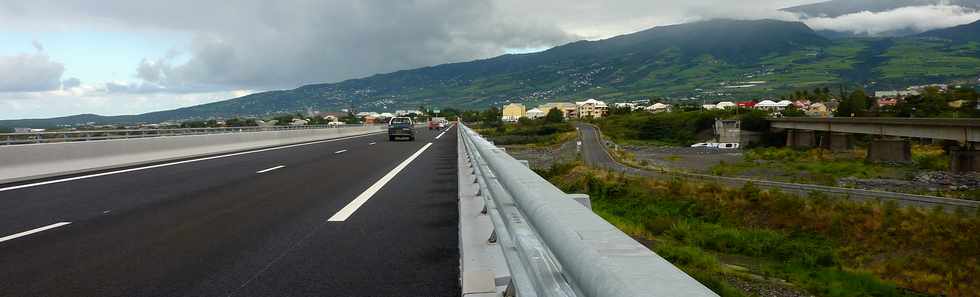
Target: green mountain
column 960, row 34
column 712, row 60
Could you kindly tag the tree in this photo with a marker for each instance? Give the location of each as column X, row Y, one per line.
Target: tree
column 620, row 110
column 854, row 105
column 491, row 117
column 236, row 122
column 554, row 116
column 792, row 111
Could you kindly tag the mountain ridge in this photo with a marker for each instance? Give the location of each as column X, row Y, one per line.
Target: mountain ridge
column 703, row 61
column 836, row 8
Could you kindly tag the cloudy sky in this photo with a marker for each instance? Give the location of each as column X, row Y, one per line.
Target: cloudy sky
column 110, row 57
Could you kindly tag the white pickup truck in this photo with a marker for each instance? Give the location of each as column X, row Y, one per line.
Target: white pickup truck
column 727, row 146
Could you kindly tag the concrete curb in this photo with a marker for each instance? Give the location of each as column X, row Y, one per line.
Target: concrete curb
column 34, row 161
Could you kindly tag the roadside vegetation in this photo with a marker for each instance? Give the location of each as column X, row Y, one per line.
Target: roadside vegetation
column 549, row 130
column 726, row 237
column 678, row 128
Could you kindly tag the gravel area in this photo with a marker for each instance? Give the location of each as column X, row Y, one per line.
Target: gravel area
column 698, row 160
column 544, row 157
column 764, row 288
column 931, row 181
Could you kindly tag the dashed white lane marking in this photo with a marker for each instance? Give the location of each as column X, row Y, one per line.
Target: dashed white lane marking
column 351, row 207
column 340, row 152
column 29, row 232
column 444, row 132
column 178, row 163
column 373, row 143
column 270, row 169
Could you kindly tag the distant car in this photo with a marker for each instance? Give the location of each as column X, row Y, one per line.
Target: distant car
column 437, row 123
column 401, row 127
column 336, row 124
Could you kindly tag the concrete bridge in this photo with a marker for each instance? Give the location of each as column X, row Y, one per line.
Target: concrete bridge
column 891, row 142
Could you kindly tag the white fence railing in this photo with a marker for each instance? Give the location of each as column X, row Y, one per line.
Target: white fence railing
column 90, row 135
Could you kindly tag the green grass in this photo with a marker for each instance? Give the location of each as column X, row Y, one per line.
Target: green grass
column 821, row 245
column 815, row 166
column 928, row 58
column 529, row 132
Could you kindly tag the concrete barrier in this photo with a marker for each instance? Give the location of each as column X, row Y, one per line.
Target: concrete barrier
column 33, row 161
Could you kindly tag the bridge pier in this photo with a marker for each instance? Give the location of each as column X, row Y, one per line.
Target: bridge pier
column 801, row 138
column 964, row 159
column 837, row 141
column 890, row 150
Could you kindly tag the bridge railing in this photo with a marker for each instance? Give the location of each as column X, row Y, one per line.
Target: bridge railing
column 90, row 135
column 555, row 246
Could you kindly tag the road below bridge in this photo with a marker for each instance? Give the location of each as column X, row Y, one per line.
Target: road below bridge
column 359, row 216
column 595, row 154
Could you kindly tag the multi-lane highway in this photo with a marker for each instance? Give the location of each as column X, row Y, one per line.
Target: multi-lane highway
column 358, row 216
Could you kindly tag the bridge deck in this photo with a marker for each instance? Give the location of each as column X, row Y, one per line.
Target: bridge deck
column 962, row 130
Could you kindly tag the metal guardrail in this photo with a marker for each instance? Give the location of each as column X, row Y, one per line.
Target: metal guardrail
column 554, row 246
column 90, row 135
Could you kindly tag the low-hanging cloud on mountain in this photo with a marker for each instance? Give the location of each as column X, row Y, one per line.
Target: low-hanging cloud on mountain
column 907, row 19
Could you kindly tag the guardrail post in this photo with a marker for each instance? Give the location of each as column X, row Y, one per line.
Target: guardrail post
column 582, row 199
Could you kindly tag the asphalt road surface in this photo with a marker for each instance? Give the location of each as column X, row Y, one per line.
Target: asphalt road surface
column 358, row 216
column 595, row 155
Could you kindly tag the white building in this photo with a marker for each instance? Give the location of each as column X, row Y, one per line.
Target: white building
column 630, row 105
column 772, row 105
column 658, row 107
column 535, row 114
column 895, row 94
column 403, row 113
column 726, row 105
column 592, row 109
column 27, row 130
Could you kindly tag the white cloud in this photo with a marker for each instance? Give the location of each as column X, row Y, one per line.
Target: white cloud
column 915, row 19
column 70, row 83
column 30, row 72
column 96, row 99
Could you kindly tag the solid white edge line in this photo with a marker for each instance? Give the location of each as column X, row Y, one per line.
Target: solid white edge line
column 270, row 169
column 351, row 207
column 29, row 232
column 340, row 152
column 179, row 162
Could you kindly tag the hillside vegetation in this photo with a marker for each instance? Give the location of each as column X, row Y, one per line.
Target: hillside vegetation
column 711, row 60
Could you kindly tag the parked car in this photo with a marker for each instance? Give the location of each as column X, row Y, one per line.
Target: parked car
column 401, row 127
